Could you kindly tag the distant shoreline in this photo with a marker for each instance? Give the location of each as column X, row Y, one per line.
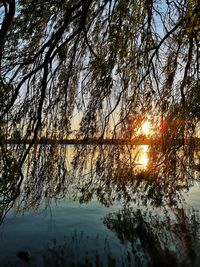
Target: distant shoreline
column 136, row 141
column 85, row 142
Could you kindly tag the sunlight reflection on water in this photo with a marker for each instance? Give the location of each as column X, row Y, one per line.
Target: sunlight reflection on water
column 86, row 211
column 139, row 153
column 143, row 158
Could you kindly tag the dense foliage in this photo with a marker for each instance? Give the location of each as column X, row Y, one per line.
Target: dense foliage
column 100, row 68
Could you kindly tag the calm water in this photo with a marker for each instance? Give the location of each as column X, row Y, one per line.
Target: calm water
column 66, row 223
column 67, row 233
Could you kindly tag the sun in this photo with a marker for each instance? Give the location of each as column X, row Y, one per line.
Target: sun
column 145, row 128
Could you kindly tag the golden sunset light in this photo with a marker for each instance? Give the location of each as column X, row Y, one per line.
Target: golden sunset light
column 143, row 157
column 144, row 160
column 145, row 129
column 99, row 133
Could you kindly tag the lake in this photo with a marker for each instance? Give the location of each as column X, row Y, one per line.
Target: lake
column 90, row 221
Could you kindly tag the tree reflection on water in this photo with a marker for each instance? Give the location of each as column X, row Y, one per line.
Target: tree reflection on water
column 160, row 230
column 124, row 173
column 164, row 238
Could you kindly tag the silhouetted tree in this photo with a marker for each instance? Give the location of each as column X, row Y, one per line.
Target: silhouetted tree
column 109, row 61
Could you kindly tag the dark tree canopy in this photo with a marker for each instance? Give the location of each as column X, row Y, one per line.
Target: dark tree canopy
column 100, row 68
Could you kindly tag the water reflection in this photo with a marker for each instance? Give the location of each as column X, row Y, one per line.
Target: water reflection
column 124, row 176
column 158, row 238
column 143, row 157
column 110, row 173
column 77, row 250
column 147, row 237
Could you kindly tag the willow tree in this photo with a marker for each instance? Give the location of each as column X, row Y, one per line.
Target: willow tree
column 112, row 62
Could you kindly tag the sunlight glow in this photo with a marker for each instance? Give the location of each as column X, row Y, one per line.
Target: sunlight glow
column 144, row 160
column 145, row 129
column 143, row 157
